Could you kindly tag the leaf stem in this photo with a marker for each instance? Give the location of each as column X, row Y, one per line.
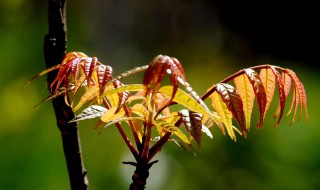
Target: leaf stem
column 158, row 145
column 123, row 134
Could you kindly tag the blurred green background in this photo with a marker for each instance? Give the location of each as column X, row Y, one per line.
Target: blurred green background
column 212, row 39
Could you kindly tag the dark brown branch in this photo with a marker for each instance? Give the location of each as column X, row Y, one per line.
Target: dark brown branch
column 141, row 174
column 54, row 50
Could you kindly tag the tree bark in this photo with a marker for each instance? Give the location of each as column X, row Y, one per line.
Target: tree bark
column 54, row 51
column 141, row 174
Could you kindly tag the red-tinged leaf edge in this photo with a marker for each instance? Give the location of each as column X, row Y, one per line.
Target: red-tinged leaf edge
column 299, row 95
column 232, row 99
column 281, row 91
column 259, row 91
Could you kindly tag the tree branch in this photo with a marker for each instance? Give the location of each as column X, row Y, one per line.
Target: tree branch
column 54, row 51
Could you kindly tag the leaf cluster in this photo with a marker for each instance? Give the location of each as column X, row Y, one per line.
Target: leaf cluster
column 147, row 108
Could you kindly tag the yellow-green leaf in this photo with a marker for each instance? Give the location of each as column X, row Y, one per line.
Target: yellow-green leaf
column 110, row 115
column 93, row 92
column 176, row 131
column 268, row 80
column 140, row 110
column 186, row 100
column 246, row 93
column 222, row 110
column 259, row 91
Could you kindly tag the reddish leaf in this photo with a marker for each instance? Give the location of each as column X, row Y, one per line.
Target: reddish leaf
column 286, row 83
column 104, row 74
column 224, row 114
column 88, row 67
column 247, row 95
column 232, row 99
column 282, row 94
column 259, row 91
column 192, row 121
column 299, row 95
column 157, row 70
column 268, row 81
column 123, row 96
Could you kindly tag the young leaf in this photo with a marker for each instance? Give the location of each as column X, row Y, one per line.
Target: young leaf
column 187, row 101
column 259, row 91
column 224, row 113
column 120, row 119
column 246, row 93
column 206, row 131
column 282, row 95
column 192, row 121
column 90, row 113
column 176, row 131
column 300, row 95
column 157, row 70
column 88, row 67
column 140, row 110
column 104, row 76
column 268, row 81
column 286, row 80
column 93, row 92
column 110, row 115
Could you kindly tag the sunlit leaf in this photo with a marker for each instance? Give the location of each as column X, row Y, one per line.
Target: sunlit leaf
column 247, row 95
column 104, row 73
column 224, row 113
column 232, row 99
column 281, row 91
column 192, row 121
column 90, row 113
column 140, row 110
column 158, row 68
column 87, row 96
column 187, row 101
column 206, row 131
column 286, row 80
column 300, row 95
column 259, row 91
column 93, row 92
column 121, row 119
column 176, row 131
column 88, row 67
column 268, row 80
column 110, row 115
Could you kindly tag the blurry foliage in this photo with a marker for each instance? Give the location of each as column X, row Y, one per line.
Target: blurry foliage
column 125, row 34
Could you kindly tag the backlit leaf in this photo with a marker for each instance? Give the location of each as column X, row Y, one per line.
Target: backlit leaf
column 206, row 131
column 187, row 101
column 90, row 113
column 104, row 74
column 140, row 110
column 232, row 99
column 110, row 115
column 176, row 131
column 268, row 81
column 259, row 91
column 192, row 121
column 158, row 68
column 281, row 91
column 224, row 113
column 247, row 95
column 93, row 92
column 300, row 95
column 286, row 80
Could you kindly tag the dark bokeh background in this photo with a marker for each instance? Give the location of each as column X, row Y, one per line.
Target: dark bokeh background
column 212, row 39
